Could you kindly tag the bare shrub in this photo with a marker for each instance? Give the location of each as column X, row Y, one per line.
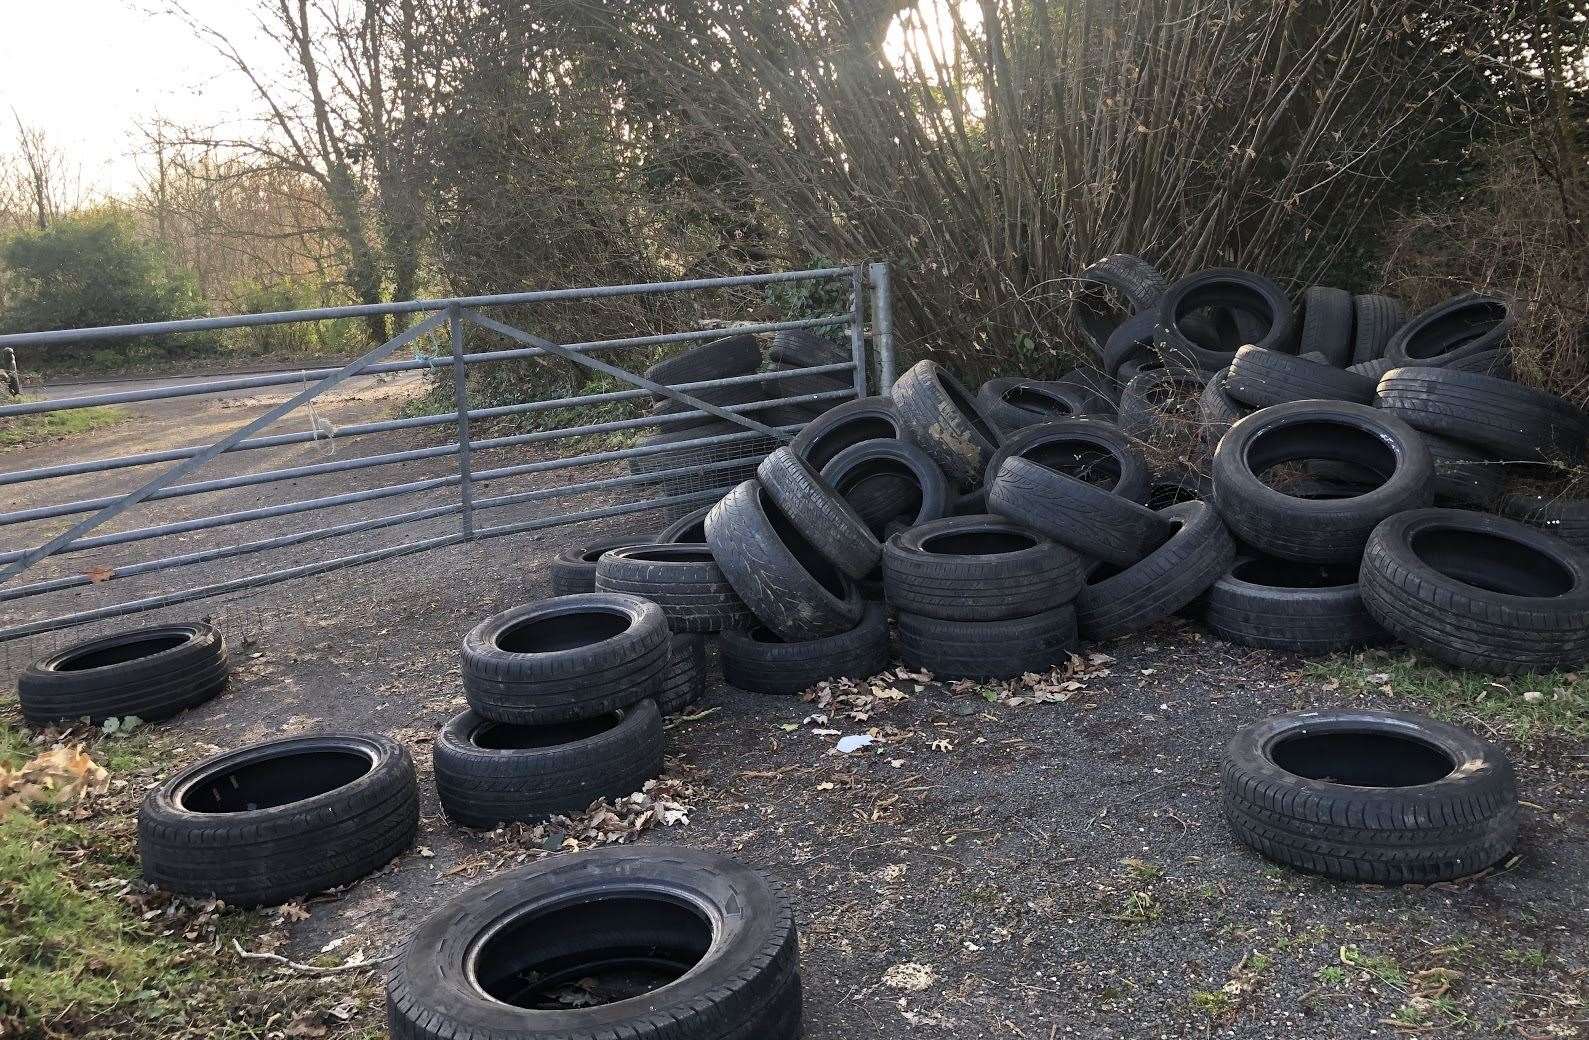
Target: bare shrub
column 997, row 154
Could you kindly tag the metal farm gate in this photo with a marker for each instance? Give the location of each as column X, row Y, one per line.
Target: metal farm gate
column 94, row 540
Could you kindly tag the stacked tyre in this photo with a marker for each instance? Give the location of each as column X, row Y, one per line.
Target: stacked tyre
column 791, row 546
column 562, row 709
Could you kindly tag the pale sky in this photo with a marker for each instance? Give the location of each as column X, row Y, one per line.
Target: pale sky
column 88, row 71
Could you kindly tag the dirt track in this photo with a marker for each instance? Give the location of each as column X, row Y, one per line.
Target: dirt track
column 1058, row 870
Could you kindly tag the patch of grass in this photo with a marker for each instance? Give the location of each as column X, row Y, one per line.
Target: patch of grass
column 1381, row 967
column 31, row 429
column 87, row 953
column 1214, row 1003
column 1525, row 707
column 1139, row 908
column 1533, row 960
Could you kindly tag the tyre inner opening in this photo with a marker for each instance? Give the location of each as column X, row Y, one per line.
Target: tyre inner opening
column 1085, row 462
column 814, row 562
column 695, row 534
column 963, row 404
column 1213, row 326
column 562, row 631
column 852, row 431
column 1288, row 574
column 276, row 781
column 595, row 952
column 503, row 736
column 882, row 480
column 679, row 553
column 1171, row 493
column 1362, row 759
column 1031, row 399
column 1451, row 331
column 121, row 653
column 1279, row 456
column 1492, row 563
column 977, row 543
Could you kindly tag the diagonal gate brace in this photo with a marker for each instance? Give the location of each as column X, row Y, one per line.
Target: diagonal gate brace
column 352, row 368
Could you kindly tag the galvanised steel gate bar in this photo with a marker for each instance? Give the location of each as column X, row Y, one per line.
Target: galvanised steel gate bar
column 685, row 469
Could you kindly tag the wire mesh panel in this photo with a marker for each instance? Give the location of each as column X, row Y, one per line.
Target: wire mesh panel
column 488, row 417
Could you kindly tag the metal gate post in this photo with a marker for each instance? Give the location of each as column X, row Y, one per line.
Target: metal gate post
column 460, row 400
column 858, row 327
column 883, row 327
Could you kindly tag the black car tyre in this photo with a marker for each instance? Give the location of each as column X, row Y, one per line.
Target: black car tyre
column 1515, row 422
column 1373, row 797
column 719, row 359
column 683, row 682
column 784, row 579
column 1276, row 604
column 1014, row 404
column 945, row 419
column 150, row 673
column 574, row 569
column 1219, row 410
column 1319, row 530
column 564, row 659
column 1265, row 377
column 1076, row 514
column 870, row 418
column 1230, row 288
column 760, row 662
column 1375, row 320
column 270, row 822
column 1566, row 518
column 689, row 529
column 1161, row 404
column 1327, row 320
column 820, row 513
column 655, row 942
column 1092, row 450
column 1479, row 591
column 683, row 579
column 1117, row 600
column 1136, row 280
column 977, row 568
column 988, row 649
column 1452, row 330
column 889, row 482
column 488, row 773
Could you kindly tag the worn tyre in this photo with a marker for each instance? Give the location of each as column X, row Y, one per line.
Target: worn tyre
column 1161, row 405
column 870, row 418
column 564, row 659
column 1479, row 591
column 988, row 649
column 1318, row 530
column 1310, row 608
column 574, row 569
column 488, row 773
column 784, row 579
column 1134, row 348
column 889, row 482
column 1372, row 369
column 1514, row 422
column 1117, row 600
column 807, row 348
column 151, row 673
column 819, row 513
column 1262, row 378
column 719, row 359
column 1014, row 404
column 689, row 529
column 1218, row 410
column 977, row 568
column 683, row 579
column 1566, row 518
column 1375, row 320
column 274, row 821
column 945, row 419
column 760, row 662
column 1327, row 319
column 1452, row 330
column 1229, row 288
column 683, row 682
column 1137, row 282
column 1464, row 476
column 1372, row 797
column 1076, row 514
column 662, row 942
column 1094, row 451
